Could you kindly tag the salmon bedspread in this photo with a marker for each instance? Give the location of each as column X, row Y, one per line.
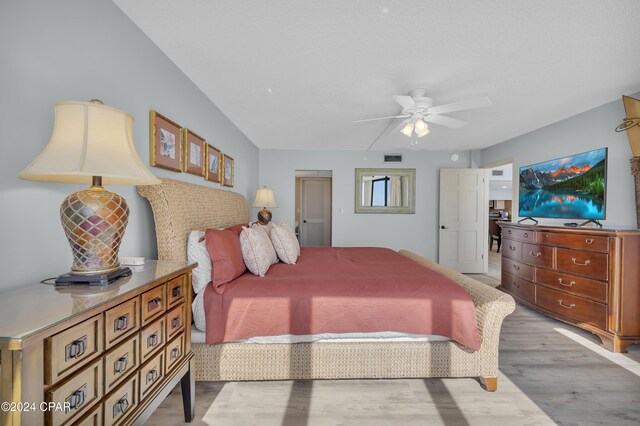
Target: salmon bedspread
column 341, row 290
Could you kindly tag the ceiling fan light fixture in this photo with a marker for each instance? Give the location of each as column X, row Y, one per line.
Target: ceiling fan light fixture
column 407, row 130
column 421, row 128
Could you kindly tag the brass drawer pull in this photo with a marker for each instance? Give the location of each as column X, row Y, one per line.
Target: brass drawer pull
column 516, row 285
column 121, row 406
column 535, row 254
column 589, row 241
column 512, row 248
column 575, row 262
column 571, row 306
column 175, row 323
column 153, row 340
column 154, row 303
column 75, row 349
column 152, row 376
column 175, row 292
column 76, row 399
column 121, row 323
column 121, row 364
column 571, row 284
column 526, row 235
column 517, row 268
column 509, row 231
column 175, row 353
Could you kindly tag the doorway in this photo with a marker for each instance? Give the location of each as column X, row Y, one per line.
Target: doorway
column 313, row 207
column 500, row 209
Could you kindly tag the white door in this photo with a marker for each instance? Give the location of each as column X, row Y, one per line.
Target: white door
column 463, row 219
column 315, row 214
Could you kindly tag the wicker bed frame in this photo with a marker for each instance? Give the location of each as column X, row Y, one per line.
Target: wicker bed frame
column 180, row 207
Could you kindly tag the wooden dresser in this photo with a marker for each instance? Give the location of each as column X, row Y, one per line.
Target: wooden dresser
column 96, row 355
column 584, row 276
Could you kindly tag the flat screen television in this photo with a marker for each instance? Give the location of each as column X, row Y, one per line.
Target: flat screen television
column 572, row 187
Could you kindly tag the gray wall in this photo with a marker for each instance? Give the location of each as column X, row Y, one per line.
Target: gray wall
column 417, row 232
column 583, row 132
column 78, row 50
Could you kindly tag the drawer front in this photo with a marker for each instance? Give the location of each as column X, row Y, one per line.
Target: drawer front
column 175, row 321
column 176, row 290
column 537, row 255
column 577, row 241
column 512, row 249
column 151, row 374
column 518, row 287
column 153, row 304
column 79, row 393
column 519, row 234
column 94, row 418
column 573, row 284
column 121, row 321
column 593, row 265
column 121, row 402
column 518, row 269
column 152, row 339
column 120, row 362
column 572, row 307
column 68, row 350
column 174, row 352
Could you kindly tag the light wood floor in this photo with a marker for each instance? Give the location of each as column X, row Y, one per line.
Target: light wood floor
column 550, row 373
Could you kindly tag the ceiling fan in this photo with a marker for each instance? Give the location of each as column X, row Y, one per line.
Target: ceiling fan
column 417, row 110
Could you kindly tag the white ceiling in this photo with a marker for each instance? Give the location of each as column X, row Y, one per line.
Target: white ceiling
column 293, row 74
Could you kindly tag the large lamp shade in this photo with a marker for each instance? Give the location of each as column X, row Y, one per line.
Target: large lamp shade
column 264, row 199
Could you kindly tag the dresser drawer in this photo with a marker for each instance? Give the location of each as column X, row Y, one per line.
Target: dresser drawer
column 93, row 418
column 121, row 402
column 151, row 374
column 175, row 321
column 572, row 307
column 536, row 255
column 68, row 350
column 120, row 362
column 121, row 321
column 152, row 339
column 593, row 265
column 176, row 290
column 512, row 249
column 519, row 234
column 573, row 284
column 80, row 392
column 577, row 241
column 518, row 287
column 153, row 304
column 174, row 352
column 518, row 269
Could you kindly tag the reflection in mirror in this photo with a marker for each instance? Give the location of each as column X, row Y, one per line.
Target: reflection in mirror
column 385, row 190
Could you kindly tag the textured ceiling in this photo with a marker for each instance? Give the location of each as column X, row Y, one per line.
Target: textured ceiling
column 293, row 74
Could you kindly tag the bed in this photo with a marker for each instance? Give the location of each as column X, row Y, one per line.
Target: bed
column 180, row 207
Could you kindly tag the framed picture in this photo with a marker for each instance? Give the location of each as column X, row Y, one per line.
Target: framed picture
column 212, row 171
column 227, row 170
column 194, row 153
column 166, row 146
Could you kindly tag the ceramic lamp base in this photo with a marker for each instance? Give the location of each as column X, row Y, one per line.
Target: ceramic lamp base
column 264, row 216
column 94, row 221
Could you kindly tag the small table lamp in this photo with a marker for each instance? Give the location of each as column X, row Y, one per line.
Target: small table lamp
column 92, row 144
column 264, row 199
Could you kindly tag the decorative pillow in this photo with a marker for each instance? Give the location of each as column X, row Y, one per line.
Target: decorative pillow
column 257, row 250
column 199, row 317
column 226, row 257
column 285, row 243
column 197, row 252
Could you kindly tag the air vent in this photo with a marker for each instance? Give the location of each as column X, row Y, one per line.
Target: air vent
column 497, row 172
column 393, row 158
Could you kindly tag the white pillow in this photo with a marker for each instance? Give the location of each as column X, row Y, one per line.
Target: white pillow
column 199, row 318
column 197, row 252
column 257, row 251
column 285, row 243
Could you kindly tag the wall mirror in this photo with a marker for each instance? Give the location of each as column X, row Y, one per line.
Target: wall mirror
column 386, row 191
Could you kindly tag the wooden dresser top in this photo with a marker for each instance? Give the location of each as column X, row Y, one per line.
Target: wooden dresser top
column 28, row 310
column 568, row 229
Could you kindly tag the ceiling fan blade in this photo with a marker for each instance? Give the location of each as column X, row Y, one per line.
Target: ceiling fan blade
column 406, row 102
column 459, row 106
column 381, row 118
column 445, row 121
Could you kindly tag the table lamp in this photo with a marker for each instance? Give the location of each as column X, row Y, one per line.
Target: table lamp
column 92, row 144
column 264, row 199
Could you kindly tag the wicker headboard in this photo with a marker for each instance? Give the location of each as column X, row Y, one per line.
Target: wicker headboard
column 180, row 207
